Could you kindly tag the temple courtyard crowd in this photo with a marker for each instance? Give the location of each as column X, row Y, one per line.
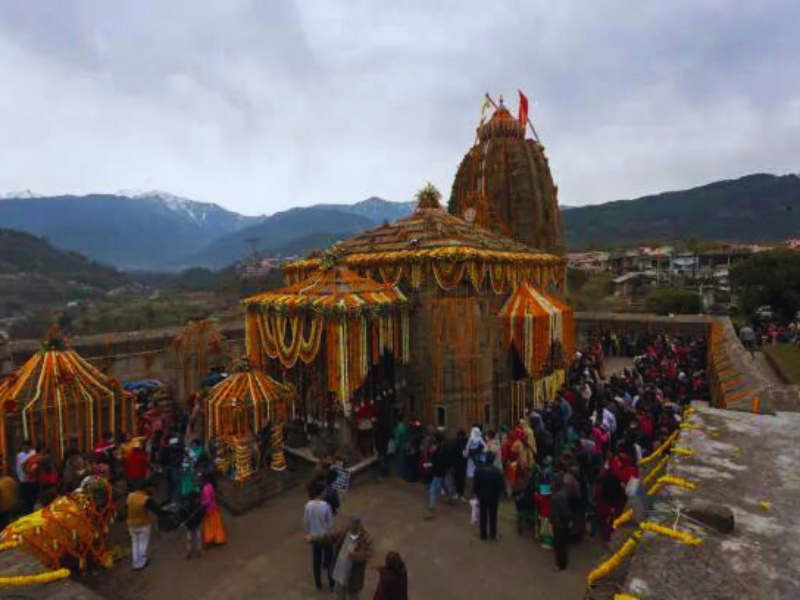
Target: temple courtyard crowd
column 570, row 467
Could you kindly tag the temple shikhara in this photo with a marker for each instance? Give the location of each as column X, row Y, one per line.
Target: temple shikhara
column 453, row 317
column 504, row 183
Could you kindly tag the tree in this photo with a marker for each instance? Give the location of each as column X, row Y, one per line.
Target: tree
column 769, row 279
column 665, row 301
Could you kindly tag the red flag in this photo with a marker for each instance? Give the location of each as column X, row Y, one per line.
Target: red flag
column 523, row 109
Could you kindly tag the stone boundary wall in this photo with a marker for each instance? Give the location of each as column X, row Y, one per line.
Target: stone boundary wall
column 586, row 322
column 145, row 354
column 735, row 379
column 148, row 354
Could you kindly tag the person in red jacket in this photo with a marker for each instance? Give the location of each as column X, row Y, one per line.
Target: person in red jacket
column 136, row 464
column 47, row 475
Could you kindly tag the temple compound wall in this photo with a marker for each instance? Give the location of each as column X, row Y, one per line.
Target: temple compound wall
column 145, row 354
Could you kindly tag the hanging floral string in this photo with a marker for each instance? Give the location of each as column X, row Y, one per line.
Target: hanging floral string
column 355, row 316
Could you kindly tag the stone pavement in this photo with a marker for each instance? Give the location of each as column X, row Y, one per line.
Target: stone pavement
column 267, row 558
column 749, row 463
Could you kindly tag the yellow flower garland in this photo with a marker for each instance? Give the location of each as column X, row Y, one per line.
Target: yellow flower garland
column 678, row 481
column 679, row 451
column 615, row 560
column 8, row 546
column 39, row 579
column 680, row 536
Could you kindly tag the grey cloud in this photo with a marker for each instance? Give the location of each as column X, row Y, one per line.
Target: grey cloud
column 265, row 105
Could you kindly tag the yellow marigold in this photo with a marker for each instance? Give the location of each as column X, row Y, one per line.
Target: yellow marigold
column 678, row 482
column 39, row 579
column 681, row 536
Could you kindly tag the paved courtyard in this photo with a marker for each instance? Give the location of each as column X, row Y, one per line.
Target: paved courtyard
column 267, row 557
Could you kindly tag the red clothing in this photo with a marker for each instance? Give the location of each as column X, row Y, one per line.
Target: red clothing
column 136, row 464
column 572, row 398
column 48, row 479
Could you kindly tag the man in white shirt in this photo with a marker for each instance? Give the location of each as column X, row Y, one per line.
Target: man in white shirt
column 29, row 485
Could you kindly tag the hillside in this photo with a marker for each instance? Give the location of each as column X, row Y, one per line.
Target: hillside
column 146, row 231
column 294, row 231
column 25, row 253
column 755, row 208
column 33, row 274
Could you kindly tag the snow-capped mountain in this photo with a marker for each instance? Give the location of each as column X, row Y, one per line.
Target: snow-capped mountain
column 148, row 230
column 199, row 212
column 20, row 194
column 373, row 208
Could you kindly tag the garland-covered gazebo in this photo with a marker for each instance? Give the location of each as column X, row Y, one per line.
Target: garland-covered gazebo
column 60, row 397
column 354, row 318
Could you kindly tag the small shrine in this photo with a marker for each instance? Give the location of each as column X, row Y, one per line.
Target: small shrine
column 58, row 399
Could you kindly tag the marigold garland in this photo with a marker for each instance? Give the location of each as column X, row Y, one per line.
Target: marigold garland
column 38, row 579
column 680, row 536
column 679, row 451
column 60, row 396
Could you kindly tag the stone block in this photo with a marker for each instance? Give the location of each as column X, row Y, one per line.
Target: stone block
column 717, row 516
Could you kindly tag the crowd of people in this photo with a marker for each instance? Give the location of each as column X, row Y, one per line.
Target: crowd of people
column 766, row 333
column 344, row 553
column 570, row 466
column 170, row 459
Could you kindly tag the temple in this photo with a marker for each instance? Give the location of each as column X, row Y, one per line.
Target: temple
column 504, row 184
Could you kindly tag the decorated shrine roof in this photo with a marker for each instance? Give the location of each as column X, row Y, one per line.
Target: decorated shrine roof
column 250, row 386
column 429, row 233
column 332, row 288
column 51, row 372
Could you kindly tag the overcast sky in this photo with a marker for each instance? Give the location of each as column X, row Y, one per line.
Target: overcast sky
column 260, row 106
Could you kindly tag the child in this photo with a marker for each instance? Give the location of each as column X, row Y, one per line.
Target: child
column 213, row 529
column 476, row 506
column 192, row 518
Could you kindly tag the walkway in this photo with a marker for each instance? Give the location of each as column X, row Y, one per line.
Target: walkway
column 749, row 463
column 267, row 557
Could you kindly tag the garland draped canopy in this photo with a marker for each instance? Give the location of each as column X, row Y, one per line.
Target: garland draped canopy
column 61, row 396
column 537, row 324
column 356, row 316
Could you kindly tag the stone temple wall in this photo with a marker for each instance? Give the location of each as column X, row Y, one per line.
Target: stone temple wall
column 457, row 357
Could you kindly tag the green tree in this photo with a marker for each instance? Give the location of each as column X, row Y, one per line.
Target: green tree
column 664, row 301
column 769, row 279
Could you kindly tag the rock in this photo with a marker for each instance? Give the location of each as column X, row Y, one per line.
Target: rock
column 717, row 516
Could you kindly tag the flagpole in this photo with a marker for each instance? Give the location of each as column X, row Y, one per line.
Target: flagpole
column 492, row 102
column 536, row 135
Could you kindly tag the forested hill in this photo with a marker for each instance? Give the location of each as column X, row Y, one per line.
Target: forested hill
column 23, row 253
column 755, row 208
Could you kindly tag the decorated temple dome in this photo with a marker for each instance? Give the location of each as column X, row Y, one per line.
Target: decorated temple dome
column 504, row 183
column 428, row 238
column 502, row 124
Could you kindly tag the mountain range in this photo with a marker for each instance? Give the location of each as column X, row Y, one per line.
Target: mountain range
column 754, row 208
column 160, row 231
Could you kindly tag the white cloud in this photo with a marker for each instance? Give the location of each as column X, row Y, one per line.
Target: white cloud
column 264, row 105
